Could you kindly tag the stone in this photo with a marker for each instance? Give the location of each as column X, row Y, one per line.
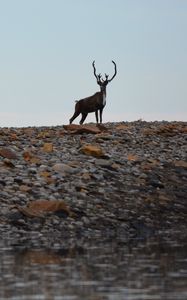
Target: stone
column 92, row 150
column 39, row 208
column 80, row 129
column 64, row 168
column 180, row 163
column 8, row 163
column 8, row 153
column 24, row 188
column 102, row 162
column 104, row 136
column 48, row 147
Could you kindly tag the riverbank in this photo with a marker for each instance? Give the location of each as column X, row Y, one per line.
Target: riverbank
column 118, row 180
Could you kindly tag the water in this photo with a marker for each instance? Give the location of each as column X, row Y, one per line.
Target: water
column 148, row 269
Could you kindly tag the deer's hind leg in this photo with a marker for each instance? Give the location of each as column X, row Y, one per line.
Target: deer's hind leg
column 84, row 115
column 75, row 115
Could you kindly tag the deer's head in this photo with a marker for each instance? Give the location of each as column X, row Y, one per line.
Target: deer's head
column 103, row 82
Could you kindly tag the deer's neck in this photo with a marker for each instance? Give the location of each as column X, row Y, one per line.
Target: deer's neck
column 103, row 93
column 104, row 98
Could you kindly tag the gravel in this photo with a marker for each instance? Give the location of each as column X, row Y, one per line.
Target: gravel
column 137, row 188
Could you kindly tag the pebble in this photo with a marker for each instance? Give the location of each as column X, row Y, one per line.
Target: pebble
column 133, row 172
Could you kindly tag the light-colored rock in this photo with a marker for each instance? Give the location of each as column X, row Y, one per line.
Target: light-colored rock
column 64, row 168
column 92, row 150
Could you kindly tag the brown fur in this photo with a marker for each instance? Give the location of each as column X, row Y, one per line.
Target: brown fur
column 90, row 104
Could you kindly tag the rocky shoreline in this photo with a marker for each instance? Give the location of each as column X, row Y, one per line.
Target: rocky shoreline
column 123, row 180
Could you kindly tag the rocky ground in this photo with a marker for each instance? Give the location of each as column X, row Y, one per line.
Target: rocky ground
column 124, row 179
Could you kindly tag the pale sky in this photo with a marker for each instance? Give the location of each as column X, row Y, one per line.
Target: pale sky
column 47, row 48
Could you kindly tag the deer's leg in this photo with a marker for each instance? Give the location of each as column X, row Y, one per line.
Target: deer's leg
column 96, row 115
column 76, row 113
column 84, row 115
column 100, row 114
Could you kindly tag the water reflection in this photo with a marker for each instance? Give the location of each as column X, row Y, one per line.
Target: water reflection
column 94, row 270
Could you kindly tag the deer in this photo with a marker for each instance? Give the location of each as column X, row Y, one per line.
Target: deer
column 97, row 101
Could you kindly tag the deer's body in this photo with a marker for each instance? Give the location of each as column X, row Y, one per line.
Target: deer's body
column 95, row 102
column 90, row 104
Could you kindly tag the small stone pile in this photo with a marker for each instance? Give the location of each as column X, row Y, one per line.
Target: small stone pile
column 125, row 179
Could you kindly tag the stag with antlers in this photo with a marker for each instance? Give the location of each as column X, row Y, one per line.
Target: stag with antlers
column 95, row 102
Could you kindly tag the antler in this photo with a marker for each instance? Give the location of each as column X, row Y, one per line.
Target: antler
column 115, row 71
column 106, row 77
column 98, row 77
column 93, row 64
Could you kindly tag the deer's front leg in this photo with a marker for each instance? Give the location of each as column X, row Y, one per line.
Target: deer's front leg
column 96, row 115
column 100, row 114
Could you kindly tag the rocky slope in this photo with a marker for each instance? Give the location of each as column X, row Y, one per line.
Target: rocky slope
column 118, row 180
